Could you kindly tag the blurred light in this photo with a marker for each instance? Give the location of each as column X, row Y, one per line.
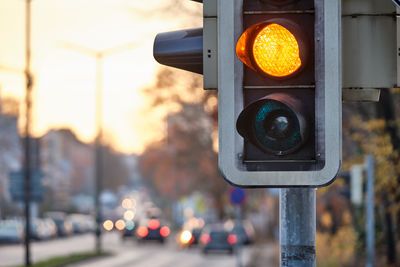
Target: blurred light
column 127, row 203
column 186, row 237
column 232, row 239
column 129, row 215
column 120, row 225
column 201, row 223
column 142, row 231
column 108, row 225
column 276, row 51
column 205, row 238
column 164, row 231
column 129, row 225
column 228, row 225
column 188, row 212
column 153, row 224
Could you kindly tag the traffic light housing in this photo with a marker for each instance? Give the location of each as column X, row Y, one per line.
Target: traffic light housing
column 277, row 67
column 279, row 92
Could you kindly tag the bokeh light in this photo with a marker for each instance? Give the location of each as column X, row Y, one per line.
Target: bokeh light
column 108, row 225
column 129, row 215
column 129, row 225
column 153, row 224
column 120, row 225
column 142, row 231
column 127, row 203
column 164, row 231
column 185, row 237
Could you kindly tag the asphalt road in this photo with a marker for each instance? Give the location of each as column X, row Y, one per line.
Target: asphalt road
column 131, row 253
column 124, row 253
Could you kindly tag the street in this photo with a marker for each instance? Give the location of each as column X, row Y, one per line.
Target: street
column 124, row 253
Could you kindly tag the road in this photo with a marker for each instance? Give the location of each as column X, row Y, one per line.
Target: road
column 128, row 253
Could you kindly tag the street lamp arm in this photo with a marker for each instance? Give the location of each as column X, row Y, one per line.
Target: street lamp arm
column 98, row 53
column 79, row 48
column 118, row 49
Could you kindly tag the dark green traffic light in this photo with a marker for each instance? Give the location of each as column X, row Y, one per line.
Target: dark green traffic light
column 276, row 124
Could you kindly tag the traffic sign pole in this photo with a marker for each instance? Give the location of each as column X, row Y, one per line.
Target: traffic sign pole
column 297, row 227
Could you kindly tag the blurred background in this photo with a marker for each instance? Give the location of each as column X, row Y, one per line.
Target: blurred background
column 162, row 200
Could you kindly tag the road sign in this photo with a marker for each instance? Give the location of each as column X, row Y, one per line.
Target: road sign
column 237, row 196
column 17, row 186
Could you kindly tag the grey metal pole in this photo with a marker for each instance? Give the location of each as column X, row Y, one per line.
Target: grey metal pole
column 370, row 222
column 297, row 227
column 28, row 103
column 98, row 144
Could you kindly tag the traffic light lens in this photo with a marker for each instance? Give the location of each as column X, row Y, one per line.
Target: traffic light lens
column 276, row 51
column 277, row 128
column 278, row 125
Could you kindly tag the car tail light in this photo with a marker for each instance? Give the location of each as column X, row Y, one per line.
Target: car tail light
column 164, row 231
column 142, row 231
column 153, row 224
column 205, row 238
column 232, row 239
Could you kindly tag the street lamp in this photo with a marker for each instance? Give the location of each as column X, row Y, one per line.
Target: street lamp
column 99, row 55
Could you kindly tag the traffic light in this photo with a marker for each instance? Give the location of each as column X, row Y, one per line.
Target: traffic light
column 277, row 67
column 279, row 91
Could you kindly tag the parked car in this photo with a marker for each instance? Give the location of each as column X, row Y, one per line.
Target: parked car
column 11, row 231
column 152, row 230
column 63, row 225
column 79, row 223
column 217, row 238
column 50, row 228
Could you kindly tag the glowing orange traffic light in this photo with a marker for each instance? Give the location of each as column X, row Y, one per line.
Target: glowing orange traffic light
column 272, row 48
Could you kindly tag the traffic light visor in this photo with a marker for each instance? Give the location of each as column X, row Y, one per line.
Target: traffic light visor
column 271, row 48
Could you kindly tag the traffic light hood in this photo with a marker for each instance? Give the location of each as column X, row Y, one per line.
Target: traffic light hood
column 180, row 49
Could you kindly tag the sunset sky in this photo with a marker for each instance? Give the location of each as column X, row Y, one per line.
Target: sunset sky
column 64, row 79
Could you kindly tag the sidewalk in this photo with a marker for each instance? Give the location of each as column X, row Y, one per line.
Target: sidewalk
column 265, row 255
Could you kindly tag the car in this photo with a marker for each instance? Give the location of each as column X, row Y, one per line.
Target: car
column 63, row 225
column 244, row 231
column 152, row 230
column 11, row 231
column 217, row 238
column 129, row 230
column 78, row 222
column 50, row 228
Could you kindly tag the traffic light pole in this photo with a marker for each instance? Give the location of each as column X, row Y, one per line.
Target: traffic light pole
column 297, row 227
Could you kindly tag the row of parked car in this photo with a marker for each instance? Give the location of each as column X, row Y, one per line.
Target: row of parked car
column 52, row 225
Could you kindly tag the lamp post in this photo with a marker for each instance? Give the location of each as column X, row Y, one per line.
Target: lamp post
column 28, row 103
column 99, row 56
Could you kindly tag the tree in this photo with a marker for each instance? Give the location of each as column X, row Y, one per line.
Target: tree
column 184, row 161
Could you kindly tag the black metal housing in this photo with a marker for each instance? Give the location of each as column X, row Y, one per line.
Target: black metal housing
column 180, row 49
